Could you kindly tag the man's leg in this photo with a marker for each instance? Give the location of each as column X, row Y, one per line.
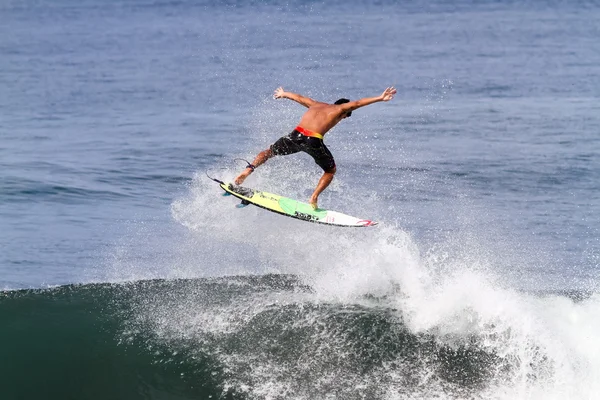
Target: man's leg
column 322, row 185
column 259, row 160
column 283, row 146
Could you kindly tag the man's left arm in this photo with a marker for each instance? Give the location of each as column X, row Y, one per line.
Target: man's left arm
column 305, row 101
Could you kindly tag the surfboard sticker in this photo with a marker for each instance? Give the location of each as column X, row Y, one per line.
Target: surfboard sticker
column 293, row 208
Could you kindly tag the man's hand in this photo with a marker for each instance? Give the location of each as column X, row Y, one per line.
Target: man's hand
column 388, row 94
column 278, row 93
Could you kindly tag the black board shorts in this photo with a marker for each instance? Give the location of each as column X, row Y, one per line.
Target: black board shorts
column 296, row 142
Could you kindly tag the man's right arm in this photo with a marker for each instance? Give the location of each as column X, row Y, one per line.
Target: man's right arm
column 305, row 101
column 387, row 95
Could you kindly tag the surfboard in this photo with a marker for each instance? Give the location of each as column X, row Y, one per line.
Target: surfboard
column 292, row 208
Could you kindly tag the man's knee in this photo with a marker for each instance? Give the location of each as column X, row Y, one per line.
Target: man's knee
column 268, row 153
column 331, row 170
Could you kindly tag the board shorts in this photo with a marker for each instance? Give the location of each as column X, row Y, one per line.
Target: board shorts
column 313, row 146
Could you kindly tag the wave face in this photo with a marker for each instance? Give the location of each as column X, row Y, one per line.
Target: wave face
column 272, row 337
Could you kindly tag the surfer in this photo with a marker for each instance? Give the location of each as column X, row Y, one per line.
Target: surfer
column 308, row 135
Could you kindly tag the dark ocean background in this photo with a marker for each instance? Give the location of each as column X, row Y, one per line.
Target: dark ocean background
column 124, row 274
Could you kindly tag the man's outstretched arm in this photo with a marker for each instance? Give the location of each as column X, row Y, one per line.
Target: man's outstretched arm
column 305, row 101
column 387, row 95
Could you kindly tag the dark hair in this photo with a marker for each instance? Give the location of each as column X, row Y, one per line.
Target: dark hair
column 342, row 101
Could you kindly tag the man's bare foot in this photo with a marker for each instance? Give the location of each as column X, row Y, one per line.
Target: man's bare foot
column 313, row 203
column 242, row 177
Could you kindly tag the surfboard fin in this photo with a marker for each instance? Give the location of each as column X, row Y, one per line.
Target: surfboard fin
column 243, row 204
column 226, row 194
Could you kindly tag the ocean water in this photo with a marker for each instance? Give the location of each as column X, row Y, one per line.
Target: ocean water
column 125, row 274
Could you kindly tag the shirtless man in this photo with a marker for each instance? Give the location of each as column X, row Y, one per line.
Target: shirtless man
column 308, row 135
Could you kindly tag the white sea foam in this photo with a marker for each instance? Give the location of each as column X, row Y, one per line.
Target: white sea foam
column 547, row 346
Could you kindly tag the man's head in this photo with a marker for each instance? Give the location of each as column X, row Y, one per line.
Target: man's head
column 342, row 101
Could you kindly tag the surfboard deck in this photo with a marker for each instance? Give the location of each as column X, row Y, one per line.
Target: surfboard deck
column 293, row 208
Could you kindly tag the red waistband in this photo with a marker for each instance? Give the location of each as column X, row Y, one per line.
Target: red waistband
column 306, row 132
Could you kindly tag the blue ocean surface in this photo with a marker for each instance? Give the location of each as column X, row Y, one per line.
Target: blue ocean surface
column 125, row 274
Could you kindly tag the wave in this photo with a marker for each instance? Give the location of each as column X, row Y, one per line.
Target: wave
column 27, row 190
column 273, row 337
column 15, row 189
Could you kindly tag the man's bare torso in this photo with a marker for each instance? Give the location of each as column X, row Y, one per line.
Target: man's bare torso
column 321, row 117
